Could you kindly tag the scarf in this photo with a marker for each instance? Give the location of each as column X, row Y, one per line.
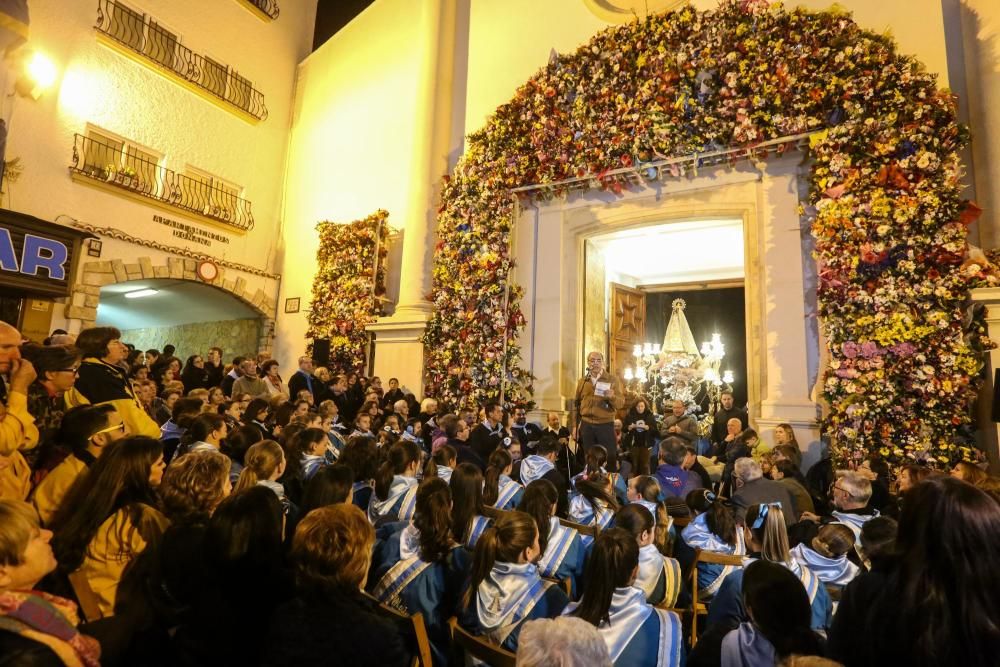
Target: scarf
column 403, row 572
column 854, row 521
column 698, row 536
column 409, row 542
column 650, row 505
column 508, row 490
column 444, row 472
column 651, row 566
column 49, row 620
column 745, row 647
column 506, row 597
column 582, row 511
column 559, row 541
column 628, row 611
column 534, row 467
column 835, row 571
column 399, row 490
column 311, row 463
column 278, row 489
column 170, row 430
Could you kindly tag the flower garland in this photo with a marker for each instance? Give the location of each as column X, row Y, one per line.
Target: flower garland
column 345, row 283
column 884, row 203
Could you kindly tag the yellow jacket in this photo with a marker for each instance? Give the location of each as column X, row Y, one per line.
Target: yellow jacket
column 101, row 383
column 114, row 546
column 51, row 490
column 17, row 426
column 15, row 477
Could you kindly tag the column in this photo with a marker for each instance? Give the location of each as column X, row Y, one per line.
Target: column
column 399, row 351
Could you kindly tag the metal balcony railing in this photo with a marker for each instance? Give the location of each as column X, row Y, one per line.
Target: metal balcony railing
column 141, row 34
column 268, row 7
column 107, row 162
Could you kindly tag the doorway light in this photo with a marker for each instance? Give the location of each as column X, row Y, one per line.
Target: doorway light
column 140, row 293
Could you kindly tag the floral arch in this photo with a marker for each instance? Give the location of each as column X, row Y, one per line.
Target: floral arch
column 889, row 225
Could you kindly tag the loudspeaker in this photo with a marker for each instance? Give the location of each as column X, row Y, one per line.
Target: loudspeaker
column 321, row 352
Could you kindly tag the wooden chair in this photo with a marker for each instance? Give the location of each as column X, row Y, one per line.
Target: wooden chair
column 566, row 584
column 416, row 622
column 90, row 607
column 681, row 521
column 698, row 607
column 480, row 647
column 592, row 531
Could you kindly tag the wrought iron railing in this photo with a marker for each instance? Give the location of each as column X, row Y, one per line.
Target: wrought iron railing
column 143, row 35
column 268, row 7
column 107, row 162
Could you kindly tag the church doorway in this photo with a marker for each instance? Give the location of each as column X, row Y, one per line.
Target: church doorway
column 690, row 271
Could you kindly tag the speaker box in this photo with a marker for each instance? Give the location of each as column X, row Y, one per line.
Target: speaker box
column 321, row 352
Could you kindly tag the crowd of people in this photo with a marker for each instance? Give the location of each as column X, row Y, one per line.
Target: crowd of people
column 159, row 512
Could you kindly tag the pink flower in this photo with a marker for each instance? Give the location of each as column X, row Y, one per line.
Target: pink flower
column 850, row 349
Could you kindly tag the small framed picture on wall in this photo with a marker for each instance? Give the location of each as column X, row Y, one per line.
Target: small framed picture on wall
column 292, row 305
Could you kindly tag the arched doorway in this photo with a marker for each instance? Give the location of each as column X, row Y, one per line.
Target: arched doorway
column 188, row 314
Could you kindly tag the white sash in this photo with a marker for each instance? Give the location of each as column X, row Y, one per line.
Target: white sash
column 402, row 488
column 396, row 579
column 479, row 526
column 628, row 611
column 507, row 596
column 834, row 571
column 651, row 565
column 508, row 489
column 560, row 540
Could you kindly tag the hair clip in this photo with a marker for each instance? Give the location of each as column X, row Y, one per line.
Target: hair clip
column 764, row 510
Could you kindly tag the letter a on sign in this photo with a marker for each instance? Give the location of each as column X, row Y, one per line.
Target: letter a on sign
column 48, row 254
column 8, row 260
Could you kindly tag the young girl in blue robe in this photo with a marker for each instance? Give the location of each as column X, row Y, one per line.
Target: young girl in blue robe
column 645, row 490
column 499, row 489
column 636, row 633
column 361, row 456
column 418, row 566
column 469, row 516
column 563, row 552
column 826, row 556
column 441, row 463
column 767, row 539
column 594, row 503
column 395, row 493
column 505, row 589
column 597, row 459
column 715, row 530
column 659, row 576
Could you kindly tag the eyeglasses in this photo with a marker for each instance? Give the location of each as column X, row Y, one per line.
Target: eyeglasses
column 839, row 488
column 110, row 429
column 74, row 370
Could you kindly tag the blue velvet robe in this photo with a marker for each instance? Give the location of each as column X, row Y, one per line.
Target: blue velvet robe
column 510, row 494
column 400, row 504
column 400, row 579
column 582, row 511
column 509, row 596
column 638, row 634
column 565, row 555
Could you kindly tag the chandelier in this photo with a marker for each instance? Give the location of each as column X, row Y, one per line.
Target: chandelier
column 678, row 369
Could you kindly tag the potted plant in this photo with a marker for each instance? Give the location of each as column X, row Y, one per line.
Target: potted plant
column 110, row 172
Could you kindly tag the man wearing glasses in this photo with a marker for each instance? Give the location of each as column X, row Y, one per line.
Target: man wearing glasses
column 598, row 396
column 851, row 492
column 86, row 430
column 56, row 366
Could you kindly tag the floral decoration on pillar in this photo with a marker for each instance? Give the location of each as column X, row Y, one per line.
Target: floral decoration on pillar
column 348, row 286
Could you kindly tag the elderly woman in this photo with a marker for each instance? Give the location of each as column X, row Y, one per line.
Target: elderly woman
column 35, row 628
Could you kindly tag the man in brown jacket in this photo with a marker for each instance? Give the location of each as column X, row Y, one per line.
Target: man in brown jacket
column 598, row 395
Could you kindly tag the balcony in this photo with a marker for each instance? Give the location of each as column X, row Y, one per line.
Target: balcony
column 266, row 9
column 106, row 165
column 141, row 38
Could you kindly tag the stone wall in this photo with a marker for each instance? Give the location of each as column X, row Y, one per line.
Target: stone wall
column 235, row 337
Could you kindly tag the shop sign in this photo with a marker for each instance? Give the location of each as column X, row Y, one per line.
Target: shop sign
column 36, row 256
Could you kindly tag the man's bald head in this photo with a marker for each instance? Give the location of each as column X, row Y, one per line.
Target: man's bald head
column 10, row 346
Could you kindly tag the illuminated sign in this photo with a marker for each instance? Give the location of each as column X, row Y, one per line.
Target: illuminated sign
column 36, row 256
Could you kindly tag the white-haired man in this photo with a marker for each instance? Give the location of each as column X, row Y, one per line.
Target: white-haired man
column 751, row 488
column 598, row 396
column 303, row 378
column 566, row 641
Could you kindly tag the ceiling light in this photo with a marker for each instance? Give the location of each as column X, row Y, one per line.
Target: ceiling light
column 140, row 293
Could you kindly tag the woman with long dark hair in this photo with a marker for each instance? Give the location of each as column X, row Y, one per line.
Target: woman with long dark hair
column 594, row 503
column 361, row 456
column 505, row 589
column 499, row 489
column 110, row 515
column 659, row 576
column 419, row 567
column 778, row 609
column 638, row 433
column 441, row 463
column 396, row 481
column 469, row 515
column 636, row 633
column 595, row 462
column 713, row 529
column 937, row 601
column 563, row 552
column 256, row 415
column 194, row 375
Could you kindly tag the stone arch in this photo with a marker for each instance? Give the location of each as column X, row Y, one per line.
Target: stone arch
column 86, row 294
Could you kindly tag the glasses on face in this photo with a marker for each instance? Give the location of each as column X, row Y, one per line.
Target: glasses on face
column 839, row 488
column 74, row 370
column 111, row 429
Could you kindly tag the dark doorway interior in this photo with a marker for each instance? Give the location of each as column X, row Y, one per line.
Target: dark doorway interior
column 708, row 311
